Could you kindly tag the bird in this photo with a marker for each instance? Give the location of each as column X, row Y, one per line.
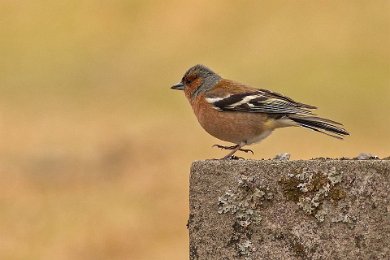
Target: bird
column 243, row 115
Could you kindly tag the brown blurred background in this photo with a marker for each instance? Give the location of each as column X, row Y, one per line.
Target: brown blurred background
column 95, row 148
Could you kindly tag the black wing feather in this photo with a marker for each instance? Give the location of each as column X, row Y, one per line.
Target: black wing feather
column 262, row 101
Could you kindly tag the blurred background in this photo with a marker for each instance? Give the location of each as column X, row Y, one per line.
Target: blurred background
column 95, row 148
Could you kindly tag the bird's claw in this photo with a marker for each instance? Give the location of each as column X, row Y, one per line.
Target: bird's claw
column 232, row 148
column 246, row 150
column 225, row 147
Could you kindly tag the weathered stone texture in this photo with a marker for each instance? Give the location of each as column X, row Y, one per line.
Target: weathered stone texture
column 315, row 209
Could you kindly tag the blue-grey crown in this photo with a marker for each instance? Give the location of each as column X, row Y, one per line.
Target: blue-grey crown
column 210, row 78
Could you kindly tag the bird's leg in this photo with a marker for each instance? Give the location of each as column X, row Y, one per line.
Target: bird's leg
column 233, row 147
column 230, row 155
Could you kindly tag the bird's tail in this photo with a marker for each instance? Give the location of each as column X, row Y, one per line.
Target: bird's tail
column 321, row 125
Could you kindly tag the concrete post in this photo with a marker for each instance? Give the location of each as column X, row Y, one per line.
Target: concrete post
column 270, row 209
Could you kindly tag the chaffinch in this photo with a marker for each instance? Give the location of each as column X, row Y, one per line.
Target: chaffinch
column 242, row 115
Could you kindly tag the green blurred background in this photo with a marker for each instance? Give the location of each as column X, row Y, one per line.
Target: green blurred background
column 95, row 148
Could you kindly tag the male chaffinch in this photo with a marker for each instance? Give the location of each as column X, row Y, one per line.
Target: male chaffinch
column 240, row 114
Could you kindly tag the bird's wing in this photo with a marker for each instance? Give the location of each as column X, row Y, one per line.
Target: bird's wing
column 259, row 101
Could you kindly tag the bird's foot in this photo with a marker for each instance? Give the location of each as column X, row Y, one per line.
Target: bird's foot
column 246, row 150
column 225, row 147
column 232, row 148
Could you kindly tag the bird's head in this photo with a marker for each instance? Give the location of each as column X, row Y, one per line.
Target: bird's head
column 197, row 79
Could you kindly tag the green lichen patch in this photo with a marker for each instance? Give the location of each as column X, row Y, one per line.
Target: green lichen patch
column 337, row 193
column 290, row 189
column 309, row 188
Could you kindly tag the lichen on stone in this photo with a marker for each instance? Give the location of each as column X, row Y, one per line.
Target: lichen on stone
column 307, row 204
column 245, row 248
column 244, row 202
column 320, row 214
column 345, row 218
column 309, row 188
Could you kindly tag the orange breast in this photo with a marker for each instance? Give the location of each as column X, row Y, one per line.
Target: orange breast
column 234, row 127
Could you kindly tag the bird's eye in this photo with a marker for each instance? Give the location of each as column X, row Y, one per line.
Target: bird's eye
column 190, row 79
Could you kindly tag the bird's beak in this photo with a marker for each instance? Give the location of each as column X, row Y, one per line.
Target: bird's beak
column 178, row 86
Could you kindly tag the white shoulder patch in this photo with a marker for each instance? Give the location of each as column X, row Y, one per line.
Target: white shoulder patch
column 245, row 100
column 212, row 100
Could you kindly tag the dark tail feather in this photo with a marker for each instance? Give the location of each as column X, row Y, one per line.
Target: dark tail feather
column 321, row 125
